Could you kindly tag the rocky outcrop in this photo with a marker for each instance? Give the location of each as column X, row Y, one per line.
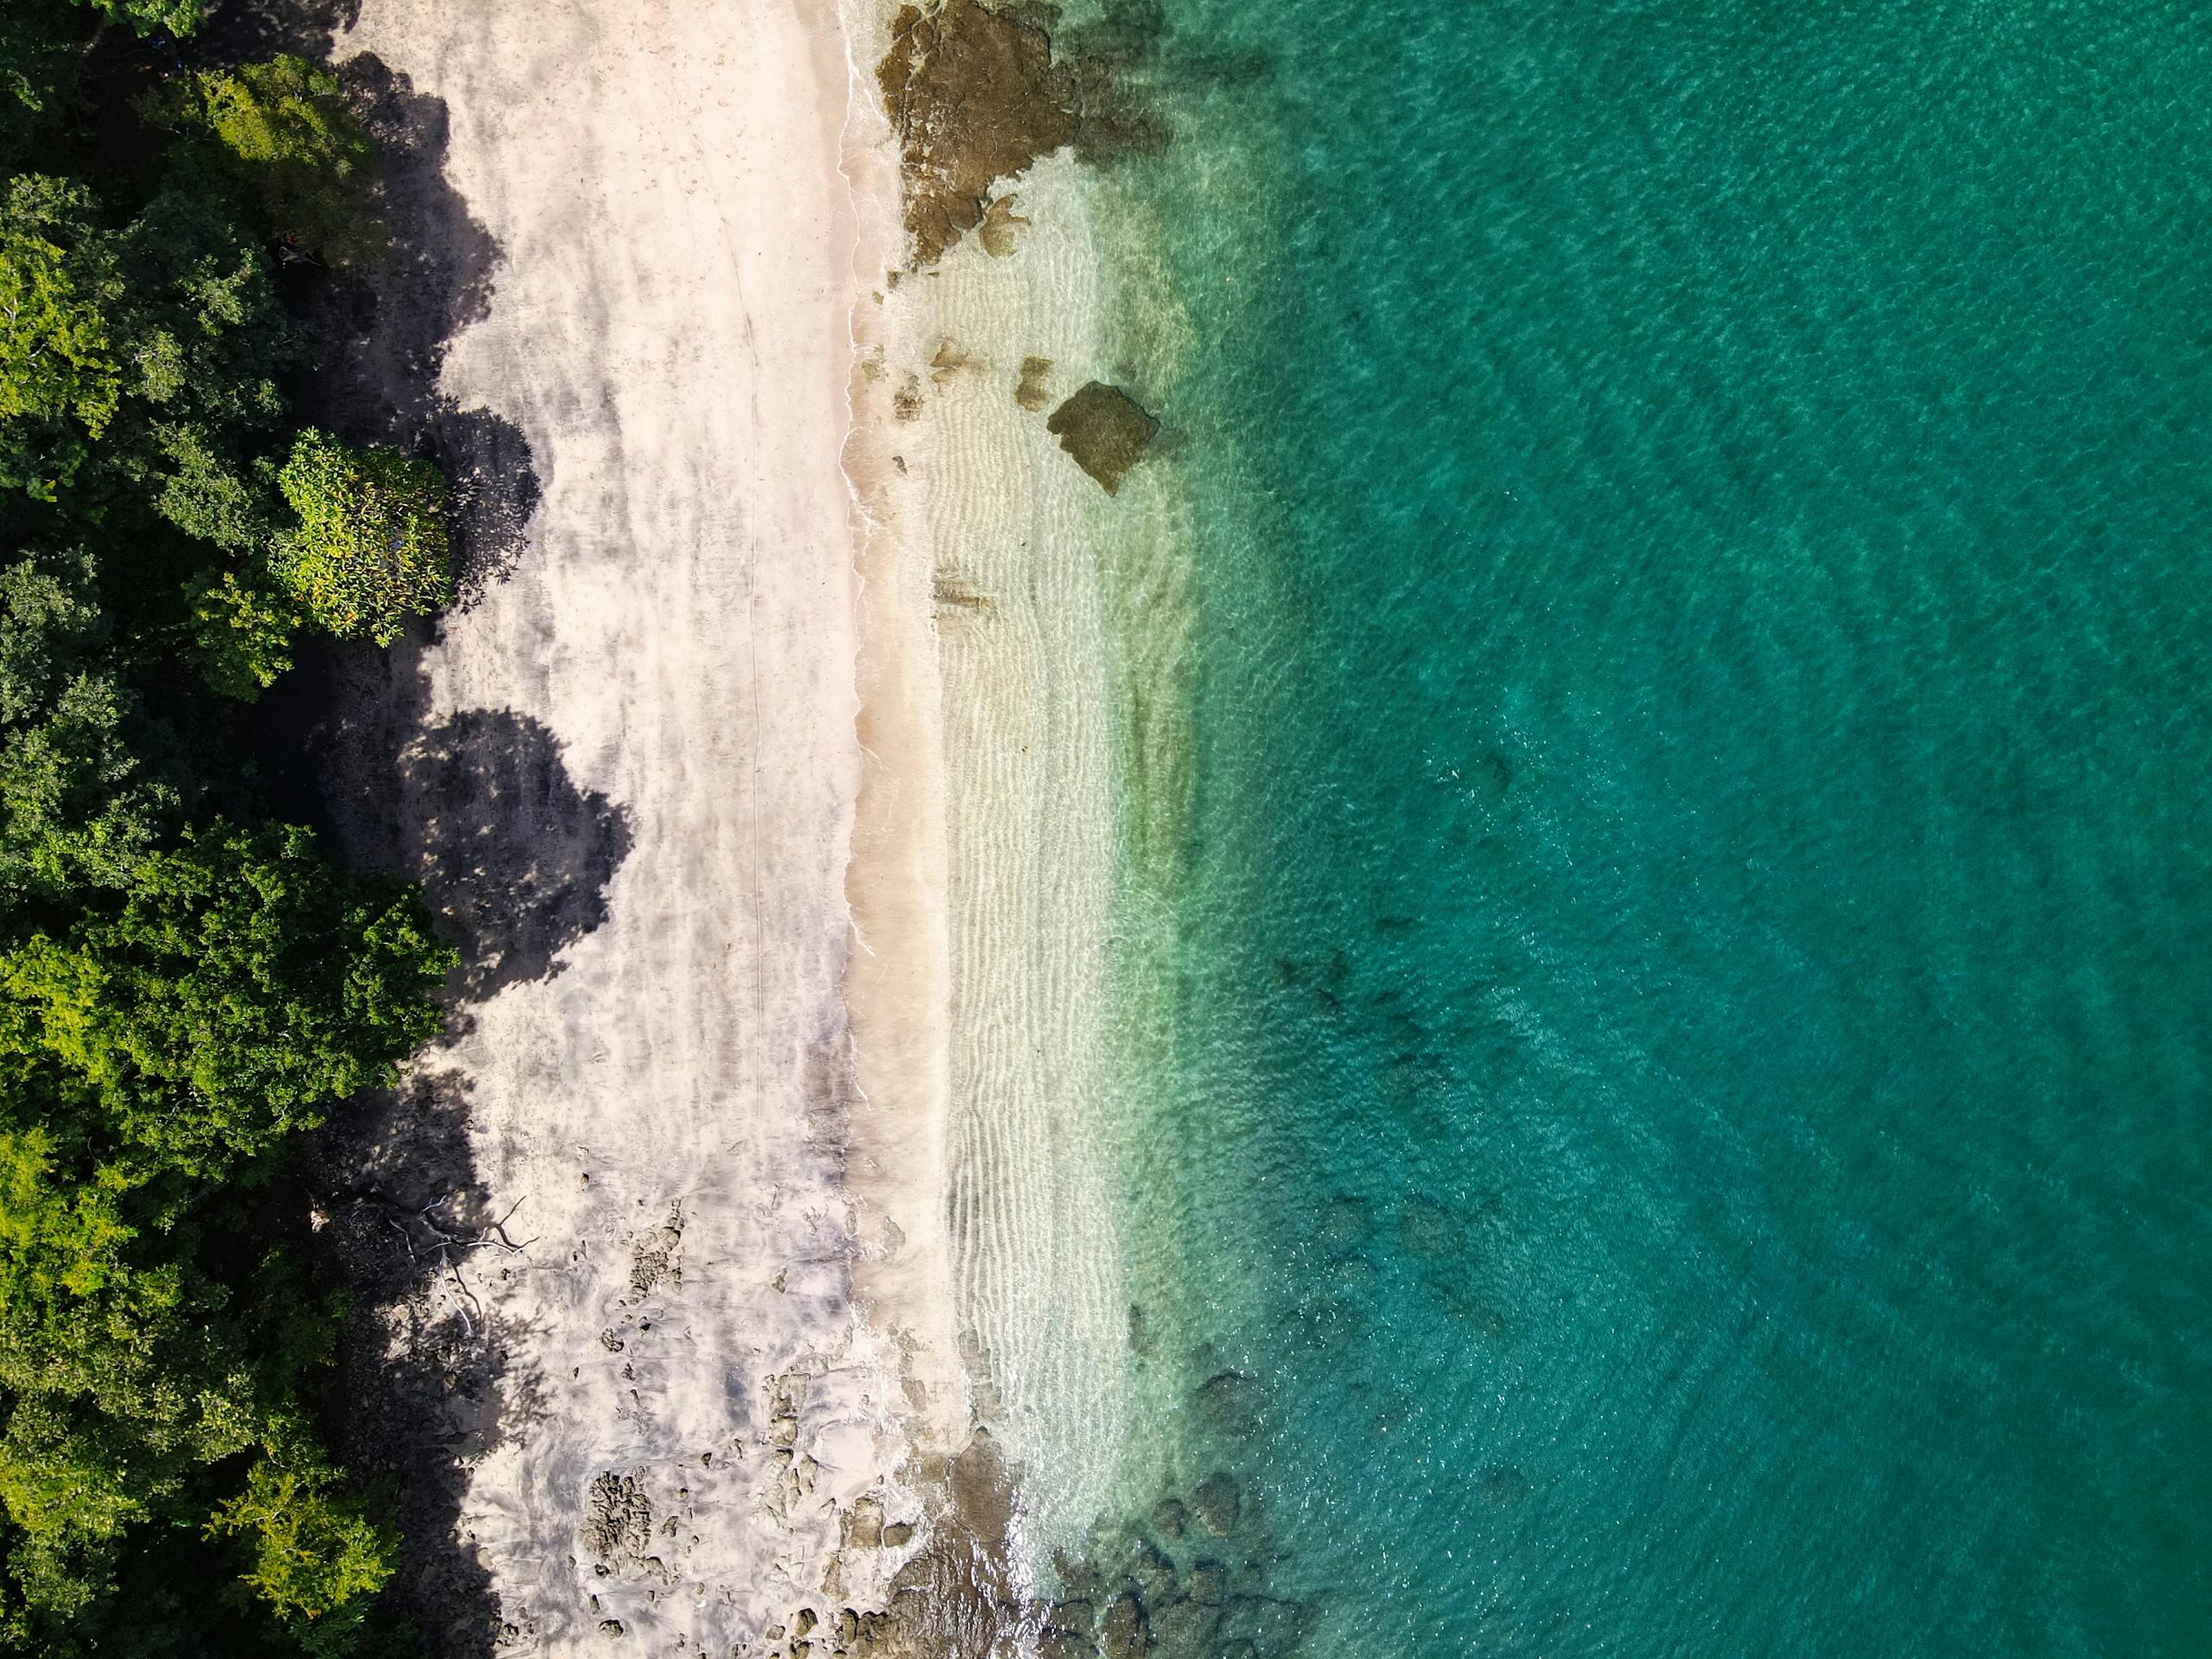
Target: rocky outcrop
column 975, row 97
column 1104, row 429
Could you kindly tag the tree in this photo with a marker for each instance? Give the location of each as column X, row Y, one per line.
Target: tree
column 176, row 16
column 60, row 361
column 244, row 985
column 317, row 1556
column 170, row 320
column 243, row 626
column 50, row 618
column 78, row 802
column 120, row 1378
column 41, row 53
column 370, row 550
column 176, row 1002
column 277, row 137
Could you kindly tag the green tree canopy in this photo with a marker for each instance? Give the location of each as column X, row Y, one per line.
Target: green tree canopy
column 121, row 1378
column 370, row 550
column 170, row 320
column 176, row 1002
column 78, row 806
column 317, row 1554
column 177, row 16
column 50, row 618
column 60, row 286
column 277, row 137
column 244, row 985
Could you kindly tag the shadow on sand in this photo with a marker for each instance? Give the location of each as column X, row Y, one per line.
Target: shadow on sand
column 515, row 859
column 513, row 856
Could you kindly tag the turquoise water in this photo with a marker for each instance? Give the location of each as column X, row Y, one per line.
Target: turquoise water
column 1680, row 1117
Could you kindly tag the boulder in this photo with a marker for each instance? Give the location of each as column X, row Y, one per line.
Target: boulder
column 1152, row 1572
column 1210, row 1583
column 1218, row 1504
column 1227, row 1401
column 1104, row 429
column 1124, row 1635
column 1184, row 1628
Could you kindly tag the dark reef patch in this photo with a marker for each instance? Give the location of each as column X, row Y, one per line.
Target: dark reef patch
column 976, row 95
column 1105, row 430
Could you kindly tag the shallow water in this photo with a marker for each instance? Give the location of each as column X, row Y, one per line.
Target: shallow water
column 1663, row 1016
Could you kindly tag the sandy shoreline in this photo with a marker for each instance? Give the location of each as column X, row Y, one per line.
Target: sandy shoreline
column 792, row 715
column 691, row 1435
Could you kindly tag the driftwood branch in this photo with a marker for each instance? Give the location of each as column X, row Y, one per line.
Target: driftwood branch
column 425, row 1238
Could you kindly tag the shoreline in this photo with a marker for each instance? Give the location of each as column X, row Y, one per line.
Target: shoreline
column 897, row 976
column 793, row 1094
column 987, row 530
column 1021, row 568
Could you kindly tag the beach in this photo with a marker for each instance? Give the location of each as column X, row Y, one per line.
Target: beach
column 693, row 1433
column 768, row 781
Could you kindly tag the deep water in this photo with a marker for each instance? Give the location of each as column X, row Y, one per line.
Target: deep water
column 1674, row 1080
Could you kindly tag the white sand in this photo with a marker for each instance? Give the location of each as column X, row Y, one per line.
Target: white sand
column 669, row 329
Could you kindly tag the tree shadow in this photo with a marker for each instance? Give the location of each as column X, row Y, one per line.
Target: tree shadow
column 384, row 331
column 423, row 1390
column 513, row 857
column 495, row 492
column 240, row 29
column 376, row 334
column 477, row 807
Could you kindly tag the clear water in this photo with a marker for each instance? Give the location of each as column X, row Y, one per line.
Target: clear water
column 1673, row 1017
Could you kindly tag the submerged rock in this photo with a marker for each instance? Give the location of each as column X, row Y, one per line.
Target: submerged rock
column 1270, row 1625
column 1344, row 1221
column 975, row 97
column 1226, row 1400
column 999, row 230
column 1503, row 1486
column 1152, row 1572
column 1079, row 1578
column 1124, row 1635
column 1218, row 1502
column 1104, row 429
column 1071, row 1618
column 1168, row 1517
column 1031, row 392
column 1426, row 1228
column 1184, row 1628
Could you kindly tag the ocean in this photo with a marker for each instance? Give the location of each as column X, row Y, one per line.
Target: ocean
column 1660, row 1029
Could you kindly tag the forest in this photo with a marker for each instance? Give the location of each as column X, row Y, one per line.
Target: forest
column 188, row 984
